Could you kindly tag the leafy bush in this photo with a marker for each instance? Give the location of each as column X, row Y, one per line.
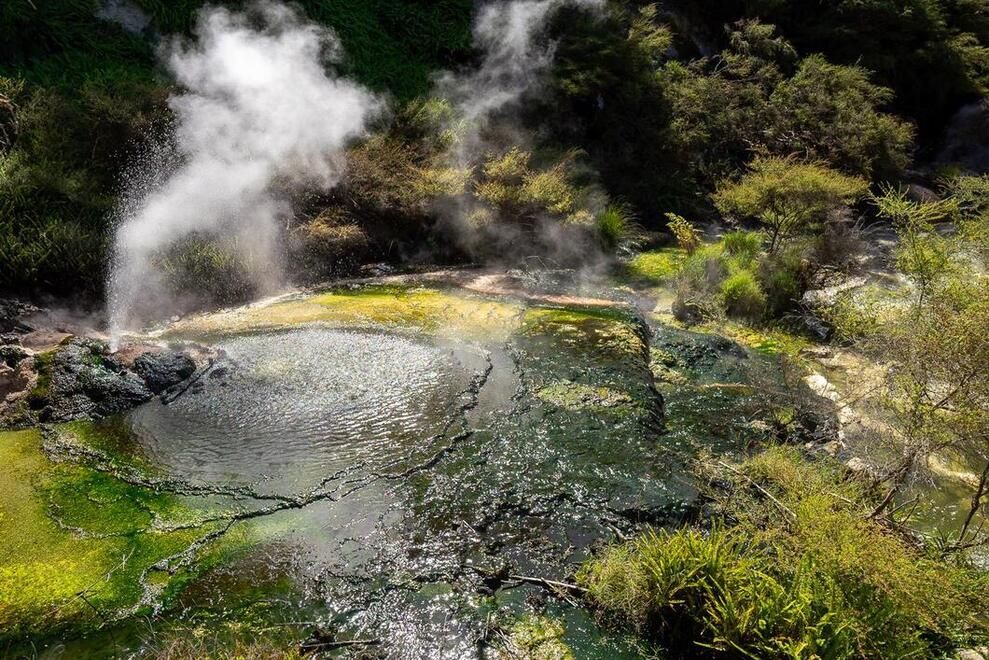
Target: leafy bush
column 742, row 296
column 787, row 195
column 329, row 244
column 684, row 233
column 830, row 113
column 206, row 270
column 783, row 277
column 801, row 574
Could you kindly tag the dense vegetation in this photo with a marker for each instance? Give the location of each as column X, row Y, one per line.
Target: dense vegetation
column 801, row 573
column 664, row 103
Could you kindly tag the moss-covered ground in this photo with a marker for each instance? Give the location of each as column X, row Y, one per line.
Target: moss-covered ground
column 76, row 541
column 395, row 307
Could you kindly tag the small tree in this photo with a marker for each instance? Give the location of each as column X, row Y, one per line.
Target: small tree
column 934, row 351
column 923, row 255
column 684, row 232
column 788, row 195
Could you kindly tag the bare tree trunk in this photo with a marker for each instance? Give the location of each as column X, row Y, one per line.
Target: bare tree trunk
column 980, row 492
column 898, row 479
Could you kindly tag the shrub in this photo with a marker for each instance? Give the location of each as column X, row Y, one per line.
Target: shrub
column 787, row 195
column 205, row 269
column 329, row 244
column 829, row 113
column 801, row 574
column 742, row 295
column 684, row 232
column 783, row 277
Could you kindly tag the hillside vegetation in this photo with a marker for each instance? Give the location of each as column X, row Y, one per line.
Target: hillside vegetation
column 662, row 102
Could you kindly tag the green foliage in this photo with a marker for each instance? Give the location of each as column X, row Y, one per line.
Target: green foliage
column 971, row 193
column 927, row 51
column 788, row 195
column 521, row 191
column 616, row 226
column 742, row 296
column 830, row 113
column 744, row 245
column 206, row 268
column 742, row 102
column 800, row 575
column 607, row 101
column 685, row 234
column 783, row 276
column 923, row 255
column 737, row 277
column 84, row 91
column 392, row 45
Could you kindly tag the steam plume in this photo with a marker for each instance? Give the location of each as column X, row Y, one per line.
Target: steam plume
column 260, row 115
column 514, row 64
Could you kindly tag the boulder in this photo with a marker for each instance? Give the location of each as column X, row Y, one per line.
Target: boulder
column 163, row 370
column 83, row 383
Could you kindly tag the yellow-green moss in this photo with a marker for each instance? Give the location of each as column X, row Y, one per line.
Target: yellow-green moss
column 74, row 541
column 537, row 638
column 430, row 310
column 657, row 266
column 577, row 396
column 599, row 330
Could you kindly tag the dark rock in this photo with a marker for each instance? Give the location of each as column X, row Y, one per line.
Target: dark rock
column 83, row 383
column 161, row 371
column 11, row 355
column 11, row 315
column 966, row 139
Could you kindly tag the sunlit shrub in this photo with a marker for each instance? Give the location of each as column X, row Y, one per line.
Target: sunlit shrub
column 804, row 574
column 685, row 234
column 742, row 296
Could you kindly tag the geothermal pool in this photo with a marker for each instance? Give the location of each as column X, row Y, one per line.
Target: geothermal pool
column 381, row 464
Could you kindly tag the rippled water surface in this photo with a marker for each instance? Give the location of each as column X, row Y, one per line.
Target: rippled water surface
column 285, row 409
column 385, row 484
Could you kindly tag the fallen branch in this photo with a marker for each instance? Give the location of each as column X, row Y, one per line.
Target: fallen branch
column 323, row 646
column 552, row 584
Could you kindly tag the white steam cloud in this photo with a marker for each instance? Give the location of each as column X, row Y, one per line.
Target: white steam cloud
column 259, row 116
column 513, row 61
column 485, row 100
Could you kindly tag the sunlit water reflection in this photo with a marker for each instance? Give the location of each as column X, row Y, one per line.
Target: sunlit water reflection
column 284, row 410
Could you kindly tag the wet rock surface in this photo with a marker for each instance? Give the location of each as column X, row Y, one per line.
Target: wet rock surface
column 84, row 383
column 165, row 369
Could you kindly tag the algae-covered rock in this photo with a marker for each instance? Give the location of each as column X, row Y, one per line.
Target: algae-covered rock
column 434, row 311
column 577, row 396
column 536, row 638
column 76, row 542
